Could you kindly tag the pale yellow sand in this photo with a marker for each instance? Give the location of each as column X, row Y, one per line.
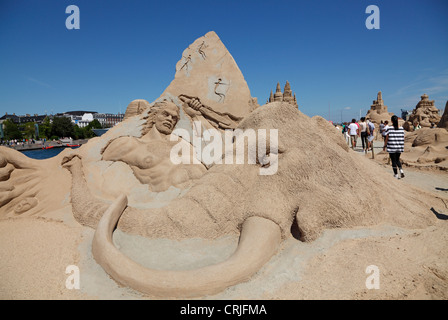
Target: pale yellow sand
column 412, row 264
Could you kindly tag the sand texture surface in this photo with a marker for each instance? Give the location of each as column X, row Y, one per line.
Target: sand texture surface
column 412, row 263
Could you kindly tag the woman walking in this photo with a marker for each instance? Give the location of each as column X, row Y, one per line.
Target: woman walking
column 394, row 143
column 363, row 133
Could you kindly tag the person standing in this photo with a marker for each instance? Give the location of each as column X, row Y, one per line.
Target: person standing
column 353, row 132
column 371, row 132
column 346, row 135
column 363, row 132
column 394, row 143
column 417, row 126
column 385, row 127
column 381, row 129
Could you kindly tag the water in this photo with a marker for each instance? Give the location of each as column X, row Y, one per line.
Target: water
column 41, row 154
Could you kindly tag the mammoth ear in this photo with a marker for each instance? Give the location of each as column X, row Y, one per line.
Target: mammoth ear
column 295, row 230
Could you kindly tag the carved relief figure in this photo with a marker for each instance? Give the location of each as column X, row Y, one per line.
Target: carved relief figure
column 187, row 61
column 221, row 95
column 149, row 156
column 201, row 51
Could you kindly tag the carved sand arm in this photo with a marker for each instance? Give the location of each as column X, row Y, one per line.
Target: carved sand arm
column 259, row 241
column 87, row 210
column 225, row 120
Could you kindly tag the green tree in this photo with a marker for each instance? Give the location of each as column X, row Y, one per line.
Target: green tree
column 95, row 124
column 88, row 132
column 79, row 132
column 12, row 130
column 45, row 128
column 28, row 130
column 62, row 127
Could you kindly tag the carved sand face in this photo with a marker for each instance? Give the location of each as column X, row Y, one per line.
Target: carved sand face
column 166, row 119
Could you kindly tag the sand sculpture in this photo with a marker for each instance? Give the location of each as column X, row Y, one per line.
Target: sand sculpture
column 207, row 72
column 287, row 95
column 378, row 111
column 318, row 184
column 444, row 119
column 424, row 114
column 136, row 107
column 426, row 148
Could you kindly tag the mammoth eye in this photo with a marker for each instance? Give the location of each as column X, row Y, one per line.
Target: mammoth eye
column 281, row 149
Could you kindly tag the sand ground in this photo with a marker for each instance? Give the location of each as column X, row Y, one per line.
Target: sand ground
column 410, row 264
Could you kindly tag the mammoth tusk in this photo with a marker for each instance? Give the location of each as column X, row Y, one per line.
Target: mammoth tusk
column 259, row 241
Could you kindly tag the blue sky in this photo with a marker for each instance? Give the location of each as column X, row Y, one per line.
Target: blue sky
column 126, row 50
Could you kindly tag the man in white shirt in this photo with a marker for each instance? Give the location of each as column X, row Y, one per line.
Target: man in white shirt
column 353, row 130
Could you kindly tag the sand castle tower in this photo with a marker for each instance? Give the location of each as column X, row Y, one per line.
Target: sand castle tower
column 271, row 97
column 378, row 104
column 278, row 96
column 287, row 93
column 286, row 96
column 378, row 110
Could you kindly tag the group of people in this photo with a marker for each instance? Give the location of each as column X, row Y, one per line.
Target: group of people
column 365, row 129
column 16, row 142
column 393, row 137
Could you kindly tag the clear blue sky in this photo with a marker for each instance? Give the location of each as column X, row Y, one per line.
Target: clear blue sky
column 126, row 50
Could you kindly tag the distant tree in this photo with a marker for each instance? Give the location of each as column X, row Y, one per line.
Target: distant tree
column 79, row 132
column 28, row 130
column 95, row 124
column 88, row 132
column 12, row 130
column 45, row 128
column 62, row 127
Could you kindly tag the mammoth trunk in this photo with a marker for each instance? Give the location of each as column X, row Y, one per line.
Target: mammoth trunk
column 259, row 241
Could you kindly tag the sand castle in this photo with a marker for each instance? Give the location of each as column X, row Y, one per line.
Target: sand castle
column 287, row 95
column 426, row 147
column 378, row 111
column 124, row 179
column 424, row 114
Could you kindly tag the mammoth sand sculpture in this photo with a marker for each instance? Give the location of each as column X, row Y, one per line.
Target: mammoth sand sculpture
column 319, row 185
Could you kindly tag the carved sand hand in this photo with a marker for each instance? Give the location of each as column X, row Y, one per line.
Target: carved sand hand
column 195, row 103
column 18, row 177
column 191, row 107
column 27, row 186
